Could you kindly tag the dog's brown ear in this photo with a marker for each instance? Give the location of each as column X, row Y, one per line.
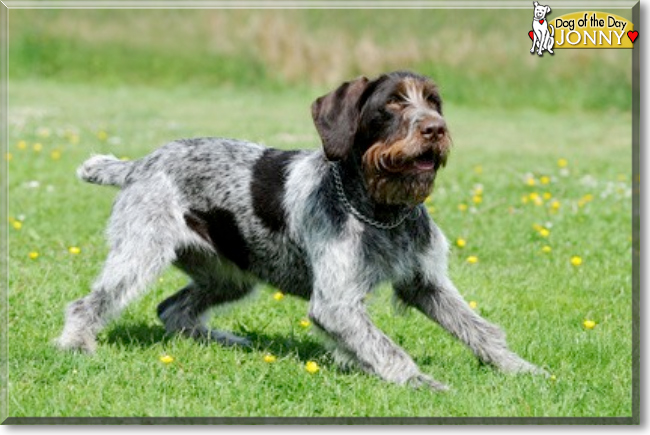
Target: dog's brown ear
column 336, row 116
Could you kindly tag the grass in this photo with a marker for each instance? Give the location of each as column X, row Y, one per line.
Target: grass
column 540, row 299
column 479, row 57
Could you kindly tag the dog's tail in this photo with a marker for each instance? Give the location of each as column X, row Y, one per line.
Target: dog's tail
column 551, row 30
column 105, row 169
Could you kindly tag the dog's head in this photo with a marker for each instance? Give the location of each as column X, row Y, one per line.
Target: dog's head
column 541, row 10
column 395, row 125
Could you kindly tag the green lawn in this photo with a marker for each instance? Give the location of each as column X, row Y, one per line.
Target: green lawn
column 540, row 299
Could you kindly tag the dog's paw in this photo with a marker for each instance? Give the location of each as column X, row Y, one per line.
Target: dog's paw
column 532, row 50
column 80, row 343
column 226, row 338
column 421, row 380
column 513, row 363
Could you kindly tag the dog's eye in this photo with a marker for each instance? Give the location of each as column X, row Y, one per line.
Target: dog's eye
column 395, row 102
column 434, row 100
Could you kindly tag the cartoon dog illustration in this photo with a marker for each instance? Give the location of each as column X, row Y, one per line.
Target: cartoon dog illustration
column 544, row 32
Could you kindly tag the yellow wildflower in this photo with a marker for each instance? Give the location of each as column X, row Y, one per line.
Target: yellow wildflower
column 311, row 367
column 33, row 255
column 589, row 324
column 278, row 296
column 17, row 224
column 576, row 261
column 530, row 181
column 102, row 135
column 544, row 232
column 477, row 199
column 546, row 249
column 22, row 145
column 562, row 163
column 478, row 169
column 472, row 259
column 268, row 358
column 462, row 207
column 166, row 359
column 74, row 250
column 460, row 242
column 473, row 305
column 555, row 205
column 38, row 147
column 55, row 155
column 305, row 323
column 544, row 179
column 547, row 195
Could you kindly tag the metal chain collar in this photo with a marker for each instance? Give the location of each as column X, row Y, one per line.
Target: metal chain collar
column 341, row 194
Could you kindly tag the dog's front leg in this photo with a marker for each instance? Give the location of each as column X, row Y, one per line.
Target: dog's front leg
column 441, row 302
column 336, row 307
column 542, row 41
column 353, row 331
column 433, row 293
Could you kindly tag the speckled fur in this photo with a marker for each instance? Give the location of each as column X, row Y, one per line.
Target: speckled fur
column 232, row 213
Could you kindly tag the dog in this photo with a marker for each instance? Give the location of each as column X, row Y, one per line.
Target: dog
column 543, row 32
column 326, row 225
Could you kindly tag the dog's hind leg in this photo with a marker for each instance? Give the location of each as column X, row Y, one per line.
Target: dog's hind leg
column 214, row 282
column 143, row 236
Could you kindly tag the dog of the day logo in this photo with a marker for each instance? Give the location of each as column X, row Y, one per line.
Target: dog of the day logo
column 587, row 29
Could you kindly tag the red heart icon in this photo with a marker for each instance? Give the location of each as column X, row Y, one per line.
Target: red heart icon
column 632, row 35
column 541, row 21
column 531, row 34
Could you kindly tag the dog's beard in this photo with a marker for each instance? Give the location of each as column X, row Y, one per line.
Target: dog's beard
column 396, row 177
column 400, row 189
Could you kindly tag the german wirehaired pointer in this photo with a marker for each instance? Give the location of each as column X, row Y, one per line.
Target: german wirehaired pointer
column 326, row 225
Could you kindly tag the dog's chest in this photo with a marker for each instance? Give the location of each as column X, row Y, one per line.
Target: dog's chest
column 391, row 254
column 540, row 26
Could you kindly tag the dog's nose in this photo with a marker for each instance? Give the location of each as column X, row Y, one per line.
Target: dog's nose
column 433, row 128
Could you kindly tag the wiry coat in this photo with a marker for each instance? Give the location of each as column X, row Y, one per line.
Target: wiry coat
column 325, row 225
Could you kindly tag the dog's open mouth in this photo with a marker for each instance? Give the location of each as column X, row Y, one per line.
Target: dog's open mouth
column 424, row 162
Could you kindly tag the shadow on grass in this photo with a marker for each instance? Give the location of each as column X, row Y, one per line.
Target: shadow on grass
column 143, row 335
column 137, row 335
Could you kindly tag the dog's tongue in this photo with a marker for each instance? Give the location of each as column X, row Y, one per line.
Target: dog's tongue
column 424, row 165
